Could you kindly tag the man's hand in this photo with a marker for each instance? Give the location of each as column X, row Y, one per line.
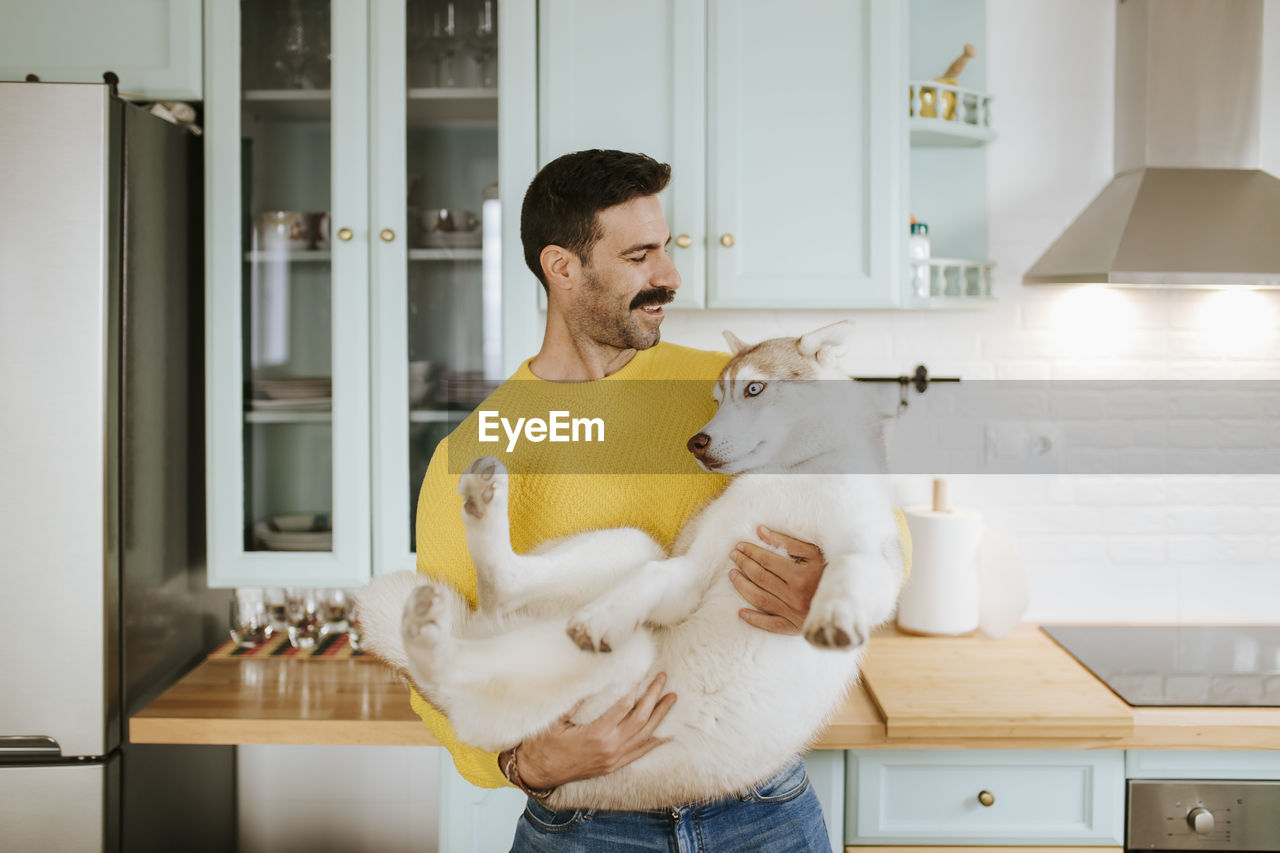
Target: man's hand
column 566, row 752
column 780, row 588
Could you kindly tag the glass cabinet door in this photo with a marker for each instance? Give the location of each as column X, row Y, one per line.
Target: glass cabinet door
column 438, row 326
column 287, row 124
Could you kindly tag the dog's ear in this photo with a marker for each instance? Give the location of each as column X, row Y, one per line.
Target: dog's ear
column 736, row 344
column 826, row 344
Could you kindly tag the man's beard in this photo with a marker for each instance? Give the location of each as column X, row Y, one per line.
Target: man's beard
column 604, row 321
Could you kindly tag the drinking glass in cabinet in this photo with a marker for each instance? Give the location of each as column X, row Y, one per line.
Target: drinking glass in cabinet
column 484, row 43
column 285, row 44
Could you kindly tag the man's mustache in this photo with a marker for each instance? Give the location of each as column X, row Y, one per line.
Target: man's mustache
column 653, row 296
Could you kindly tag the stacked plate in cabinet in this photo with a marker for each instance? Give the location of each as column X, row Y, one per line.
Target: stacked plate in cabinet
column 311, row 394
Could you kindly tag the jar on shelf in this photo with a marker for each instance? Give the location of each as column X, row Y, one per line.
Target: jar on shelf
column 918, row 253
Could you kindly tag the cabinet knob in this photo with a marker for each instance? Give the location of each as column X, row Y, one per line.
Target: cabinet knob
column 726, row 240
column 387, row 235
column 684, row 241
column 344, row 234
column 986, row 798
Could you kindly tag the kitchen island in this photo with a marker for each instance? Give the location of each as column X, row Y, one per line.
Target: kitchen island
column 1019, row 692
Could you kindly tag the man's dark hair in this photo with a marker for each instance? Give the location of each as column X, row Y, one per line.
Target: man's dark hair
column 563, row 199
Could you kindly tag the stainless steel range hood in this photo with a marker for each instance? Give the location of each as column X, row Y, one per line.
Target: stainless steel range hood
column 1189, row 205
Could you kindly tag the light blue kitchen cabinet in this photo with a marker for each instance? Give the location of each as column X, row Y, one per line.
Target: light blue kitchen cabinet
column 784, row 128
column 153, row 46
column 985, row 797
column 346, row 329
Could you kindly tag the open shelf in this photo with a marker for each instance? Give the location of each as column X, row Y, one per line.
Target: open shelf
column 288, row 416
column 450, row 106
column 291, row 256
column 437, row 416
column 953, row 282
column 944, row 114
column 943, row 133
column 290, row 104
column 446, row 254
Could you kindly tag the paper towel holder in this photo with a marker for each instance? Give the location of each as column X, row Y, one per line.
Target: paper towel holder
column 920, row 380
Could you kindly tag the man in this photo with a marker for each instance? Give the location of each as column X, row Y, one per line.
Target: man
column 594, row 235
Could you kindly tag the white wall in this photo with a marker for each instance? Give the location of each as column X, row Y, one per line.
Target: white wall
column 1148, row 549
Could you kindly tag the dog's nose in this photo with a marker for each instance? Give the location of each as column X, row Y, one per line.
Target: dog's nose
column 698, row 444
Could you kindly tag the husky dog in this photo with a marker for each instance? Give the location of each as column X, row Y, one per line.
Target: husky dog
column 749, row 700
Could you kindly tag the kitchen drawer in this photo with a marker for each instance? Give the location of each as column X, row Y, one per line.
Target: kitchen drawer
column 1043, row 798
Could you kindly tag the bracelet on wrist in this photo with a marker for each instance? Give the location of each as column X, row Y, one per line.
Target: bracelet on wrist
column 511, row 770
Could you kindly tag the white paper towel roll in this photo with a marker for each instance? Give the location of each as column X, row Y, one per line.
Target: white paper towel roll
column 941, row 595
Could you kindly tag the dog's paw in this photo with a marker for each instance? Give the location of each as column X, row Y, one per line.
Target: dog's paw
column 483, row 487
column 833, row 624
column 597, row 628
column 426, row 616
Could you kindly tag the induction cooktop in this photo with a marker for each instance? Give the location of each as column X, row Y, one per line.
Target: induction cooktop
column 1180, row 665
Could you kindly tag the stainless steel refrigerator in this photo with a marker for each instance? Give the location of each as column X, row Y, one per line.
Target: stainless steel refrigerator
column 103, row 601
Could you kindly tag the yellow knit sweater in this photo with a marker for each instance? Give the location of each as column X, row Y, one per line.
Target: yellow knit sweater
column 646, row 425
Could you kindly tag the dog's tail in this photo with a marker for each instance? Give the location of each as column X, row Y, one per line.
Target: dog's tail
column 379, row 609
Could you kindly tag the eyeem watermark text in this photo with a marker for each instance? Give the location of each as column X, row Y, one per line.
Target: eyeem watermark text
column 557, row 427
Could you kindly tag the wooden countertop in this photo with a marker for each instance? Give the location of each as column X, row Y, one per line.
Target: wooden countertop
column 1018, row 692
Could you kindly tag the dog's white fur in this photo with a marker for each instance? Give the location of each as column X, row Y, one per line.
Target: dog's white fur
column 748, row 700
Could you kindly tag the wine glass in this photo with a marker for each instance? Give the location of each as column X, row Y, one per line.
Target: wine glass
column 484, row 43
column 295, row 48
column 421, row 61
column 444, row 43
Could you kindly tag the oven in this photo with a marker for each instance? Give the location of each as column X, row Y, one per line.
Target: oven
column 1202, row 815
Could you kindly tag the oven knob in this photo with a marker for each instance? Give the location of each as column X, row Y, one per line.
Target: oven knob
column 1201, row 820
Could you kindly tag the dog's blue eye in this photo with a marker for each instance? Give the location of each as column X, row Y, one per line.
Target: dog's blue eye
column 754, row 388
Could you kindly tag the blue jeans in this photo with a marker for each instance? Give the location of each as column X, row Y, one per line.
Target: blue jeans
column 780, row 815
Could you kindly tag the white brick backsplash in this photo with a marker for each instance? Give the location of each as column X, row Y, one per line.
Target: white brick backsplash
column 1197, row 433
column 1200, row 491
column 1044, row 519
column 1269, row 520
column 1195, row 549
column 1084, row 404
column 1131, row 520
column 1258, row 490
column 1230, row 402
column 1150, row 433
column 1247, row 434
column 1025, row 370
column 1138, row 402
column 1099, row 435
column 1074, row 550
column 1137, row 549
column 1116, row 491
column 1228, row 594
column 1242, row 550
column 1213, row 520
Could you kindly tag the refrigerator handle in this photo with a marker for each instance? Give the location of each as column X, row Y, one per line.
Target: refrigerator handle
column 23, row 747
